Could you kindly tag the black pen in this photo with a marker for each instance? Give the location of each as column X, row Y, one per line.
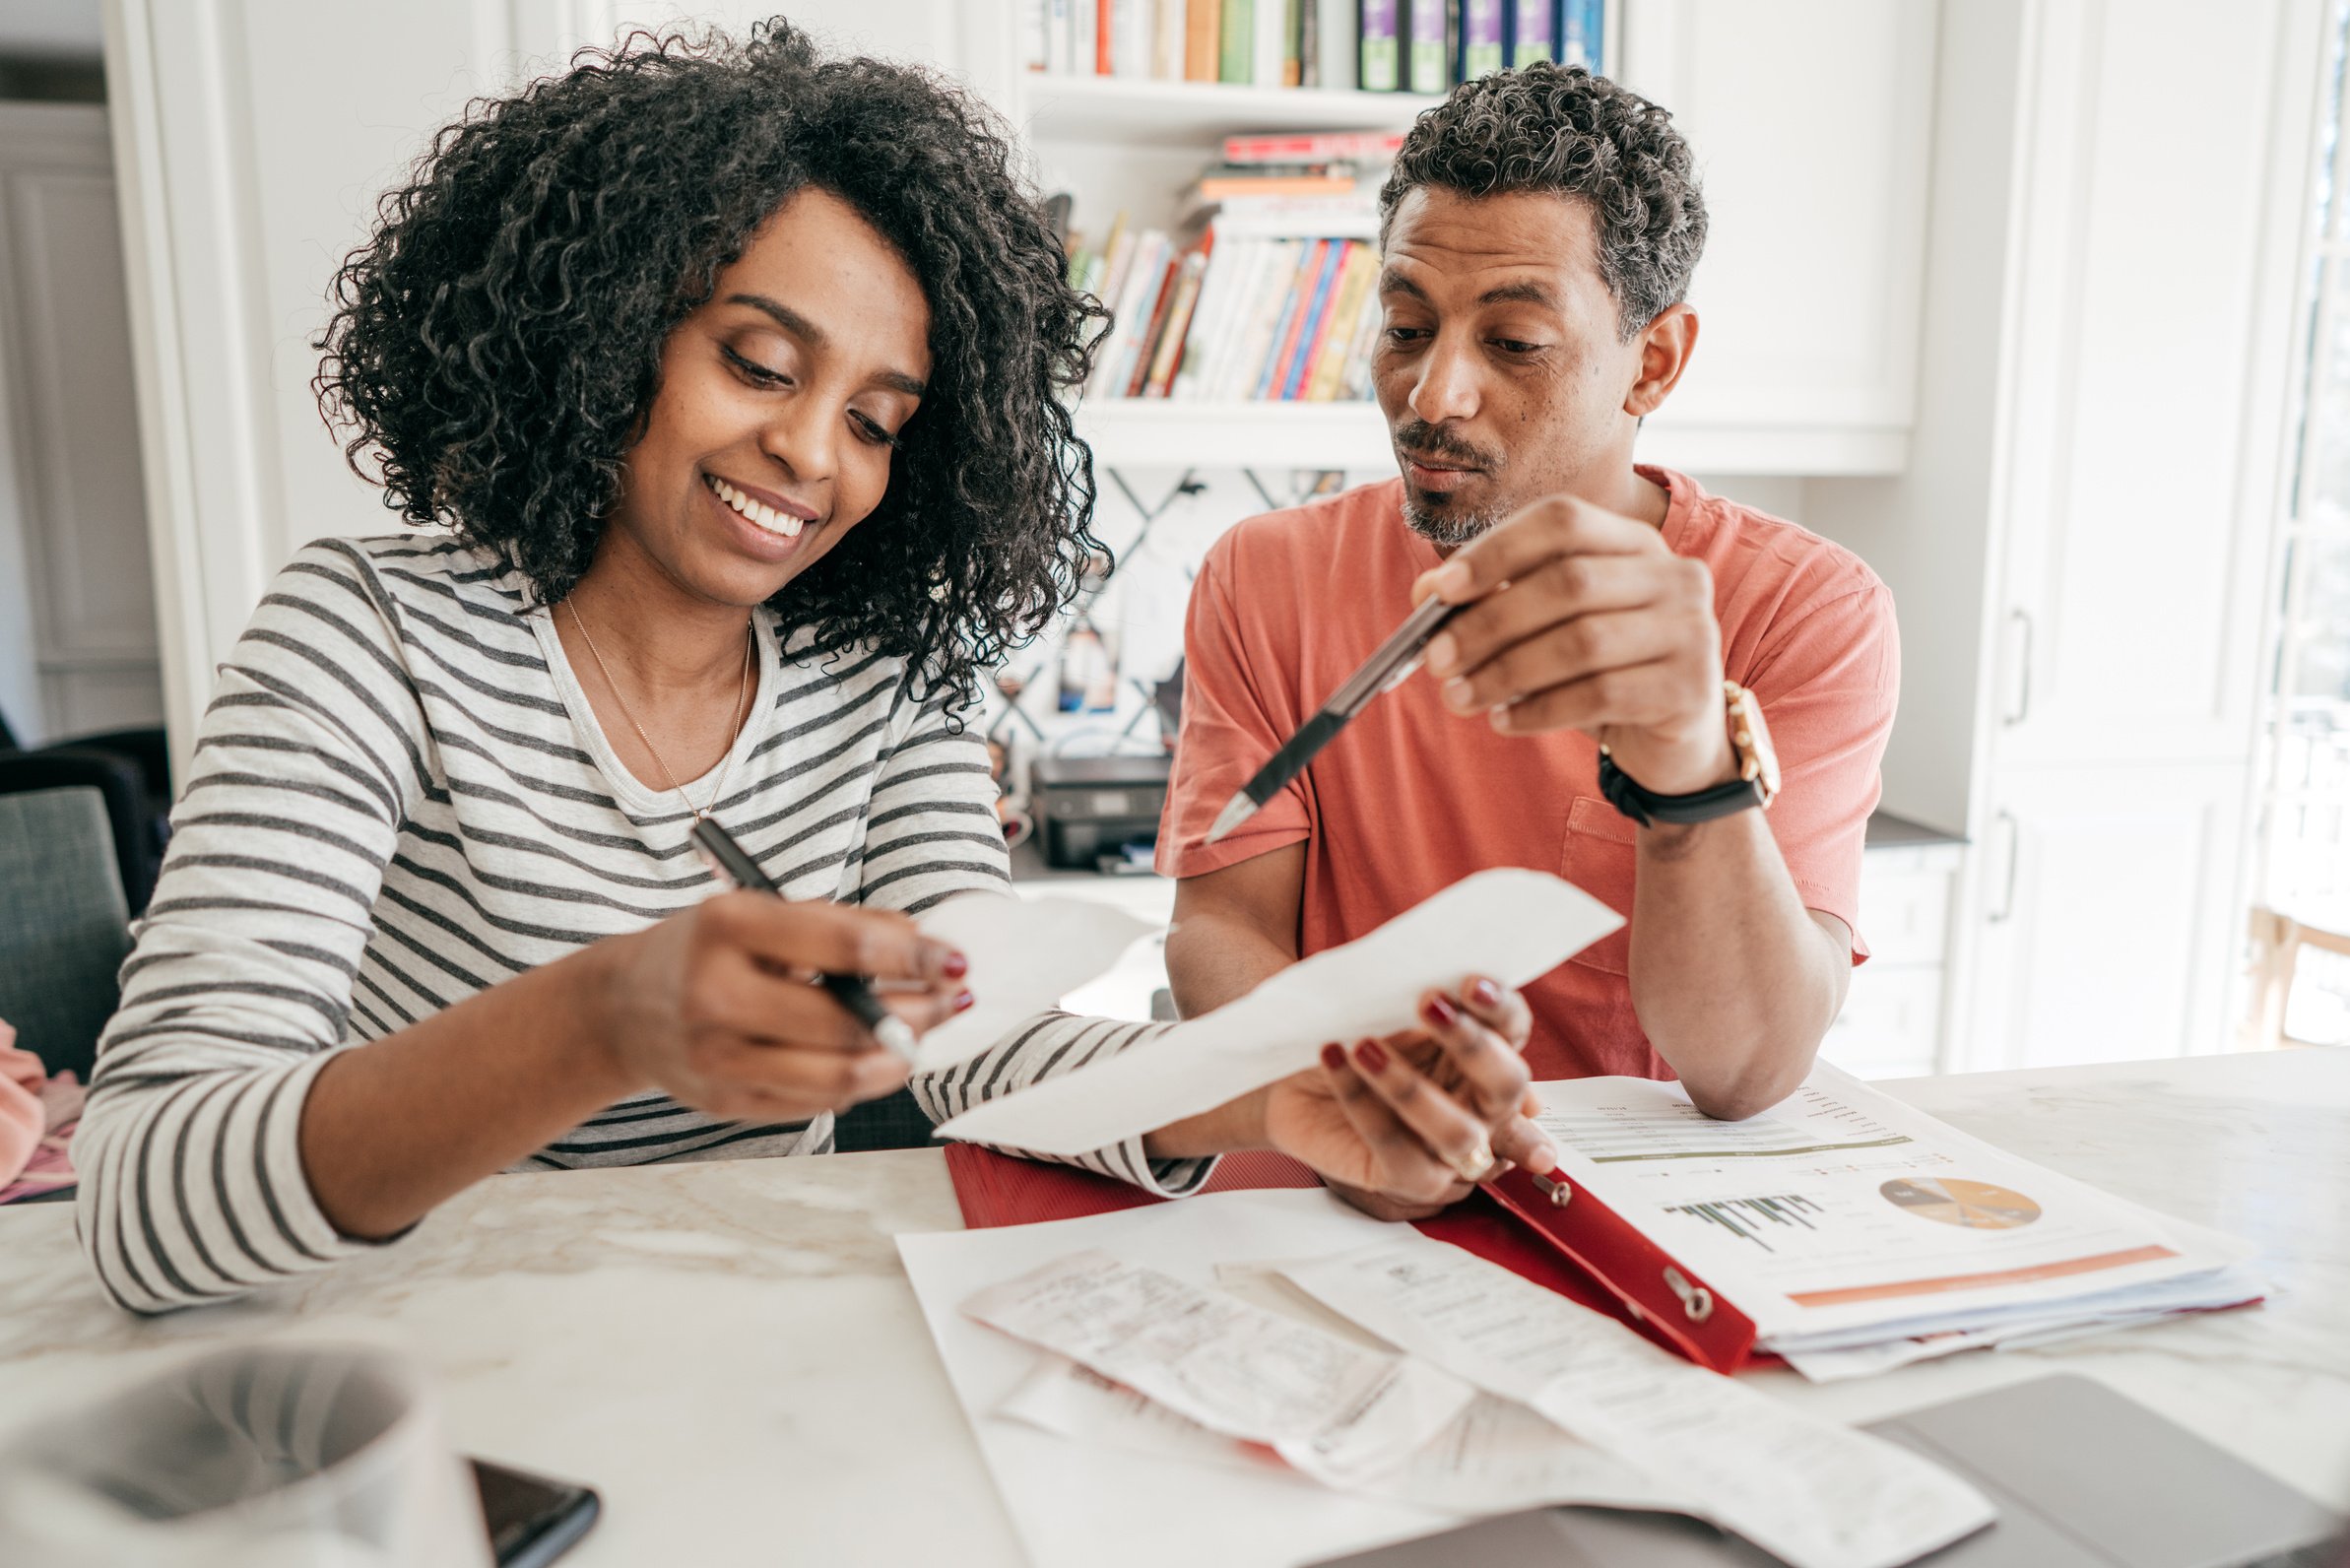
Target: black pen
column 723, row 855
column 1389, row 665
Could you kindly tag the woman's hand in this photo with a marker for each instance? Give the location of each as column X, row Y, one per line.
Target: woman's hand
column 1405, row 1126
column 716, row 1005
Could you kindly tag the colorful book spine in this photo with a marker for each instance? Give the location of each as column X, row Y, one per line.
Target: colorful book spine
column 1153, row 317
column 1300, row 295
column 1380, row 59
column 1238, row 39
column 1167, row 41
column 1581, row 34
column 1174, row 339
column 1313, row 147
column 1346, row 319
column 1481, row 43
column 1203, row 34
column 1429, row 63
column 1309, row 340
column 1529, row 27
column 1269, row 43
column 1263, row 320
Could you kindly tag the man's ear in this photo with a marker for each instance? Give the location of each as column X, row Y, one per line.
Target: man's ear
column 1665, row 345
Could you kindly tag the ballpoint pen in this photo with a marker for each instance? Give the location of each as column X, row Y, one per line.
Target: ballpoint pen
column 1387, row 667
column 723, row 855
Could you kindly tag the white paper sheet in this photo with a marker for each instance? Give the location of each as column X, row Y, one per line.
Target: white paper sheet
column 1081, row 1505
column 1512, row 925
column 1496, row 1456
column 1026, row 954
column 1812, row 1493
column 1335, row 1411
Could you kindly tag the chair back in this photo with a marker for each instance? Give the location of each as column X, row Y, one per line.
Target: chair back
column 64, row 926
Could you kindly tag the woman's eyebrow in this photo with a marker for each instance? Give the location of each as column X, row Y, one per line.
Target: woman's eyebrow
column 807, row 332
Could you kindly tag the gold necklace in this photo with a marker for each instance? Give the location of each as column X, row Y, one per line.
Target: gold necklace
column 734, row 732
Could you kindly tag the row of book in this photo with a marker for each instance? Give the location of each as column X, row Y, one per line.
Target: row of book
column 1236, row 317
column 1377, row 45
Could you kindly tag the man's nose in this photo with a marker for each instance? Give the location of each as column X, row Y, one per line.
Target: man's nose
column 1445, row 387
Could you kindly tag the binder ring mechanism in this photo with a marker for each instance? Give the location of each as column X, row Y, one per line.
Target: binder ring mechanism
column 1697, row 1302
column 1558, row 1192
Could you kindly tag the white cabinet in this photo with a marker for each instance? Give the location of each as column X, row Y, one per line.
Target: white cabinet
column 1810, row 125
column 77, row 611
column 1891, row 1024
column 2106, row 916
column 2079, row 548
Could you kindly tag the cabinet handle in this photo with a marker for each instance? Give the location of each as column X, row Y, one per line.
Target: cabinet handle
column 2007, row 904
column 2023, row 681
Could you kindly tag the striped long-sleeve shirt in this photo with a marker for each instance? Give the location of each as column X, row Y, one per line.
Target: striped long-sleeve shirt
column 400, row 796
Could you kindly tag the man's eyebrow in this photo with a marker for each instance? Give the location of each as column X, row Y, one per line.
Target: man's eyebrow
column 807, row 332
column 1393, row 282
column 1524, row 291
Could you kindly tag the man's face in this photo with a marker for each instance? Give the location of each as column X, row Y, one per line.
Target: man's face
column 1500, row 366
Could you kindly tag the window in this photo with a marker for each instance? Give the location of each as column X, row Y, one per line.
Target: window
column 2306, row 870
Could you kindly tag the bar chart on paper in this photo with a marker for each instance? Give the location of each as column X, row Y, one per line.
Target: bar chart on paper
column 1753, row 1219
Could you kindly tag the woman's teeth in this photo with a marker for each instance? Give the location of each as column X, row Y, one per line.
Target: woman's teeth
column 768, row 517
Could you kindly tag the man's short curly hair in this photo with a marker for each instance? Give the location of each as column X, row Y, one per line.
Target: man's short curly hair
column 495, row 345
column 1549, row 127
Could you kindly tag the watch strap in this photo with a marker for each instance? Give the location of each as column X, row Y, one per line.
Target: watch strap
column 1647, row 808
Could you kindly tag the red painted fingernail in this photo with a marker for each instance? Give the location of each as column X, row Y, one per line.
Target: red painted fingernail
column 1333, row 1058
column 955, row 967
column 1372, row 1055
column 1439, row 1012
column 963, row 1000
column 1485, row 993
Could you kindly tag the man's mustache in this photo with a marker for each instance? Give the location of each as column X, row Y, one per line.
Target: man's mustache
column 1420, row 439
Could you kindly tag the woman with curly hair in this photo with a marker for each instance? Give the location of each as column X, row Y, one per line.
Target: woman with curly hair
column 726, row 381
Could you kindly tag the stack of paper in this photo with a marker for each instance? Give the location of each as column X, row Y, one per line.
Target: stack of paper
column 1145, row 1394
column 1858, row 1234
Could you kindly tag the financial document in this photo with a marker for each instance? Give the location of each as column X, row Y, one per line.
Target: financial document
column 1334, row 1409
column 1025, row 955
column 1842, row 1217
column 1511, row 925
column 1807, row 1492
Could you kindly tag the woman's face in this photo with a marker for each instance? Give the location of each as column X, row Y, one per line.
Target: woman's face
column 780, row 405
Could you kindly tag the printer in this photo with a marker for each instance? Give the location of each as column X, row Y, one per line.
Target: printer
column 1089, row 809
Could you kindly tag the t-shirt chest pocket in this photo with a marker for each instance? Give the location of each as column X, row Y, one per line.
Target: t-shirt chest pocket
column 1600, row 857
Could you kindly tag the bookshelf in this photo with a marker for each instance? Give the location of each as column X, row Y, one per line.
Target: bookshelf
column 1199, row 114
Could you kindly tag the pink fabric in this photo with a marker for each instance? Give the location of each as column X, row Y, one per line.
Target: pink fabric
column 37, row 1114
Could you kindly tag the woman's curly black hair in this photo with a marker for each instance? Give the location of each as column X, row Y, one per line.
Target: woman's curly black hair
column 494, row 348
column 1551, row 128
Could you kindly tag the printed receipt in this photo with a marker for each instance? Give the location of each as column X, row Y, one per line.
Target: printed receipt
column 1815, row 1494
column 1496, row 1457
column 1332, row 1410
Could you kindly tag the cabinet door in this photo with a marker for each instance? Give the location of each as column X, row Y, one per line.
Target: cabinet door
column 2153, row 315
column 1810, row 124
column 2104, row 919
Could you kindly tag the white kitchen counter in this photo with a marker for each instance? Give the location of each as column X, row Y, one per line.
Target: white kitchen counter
column 730, row 1355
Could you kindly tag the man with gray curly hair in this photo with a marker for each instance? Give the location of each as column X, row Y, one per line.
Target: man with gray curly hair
column 1605, row 702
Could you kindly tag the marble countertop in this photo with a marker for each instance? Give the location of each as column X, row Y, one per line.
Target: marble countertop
column 730, row 1353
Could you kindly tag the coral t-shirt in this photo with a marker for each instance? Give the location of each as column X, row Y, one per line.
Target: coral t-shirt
column 1410, row 797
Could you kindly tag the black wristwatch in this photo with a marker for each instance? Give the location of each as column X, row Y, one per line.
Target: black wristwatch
column 1757, row 783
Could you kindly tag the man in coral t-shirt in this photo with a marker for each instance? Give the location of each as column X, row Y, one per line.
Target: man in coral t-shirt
column 1537, row 237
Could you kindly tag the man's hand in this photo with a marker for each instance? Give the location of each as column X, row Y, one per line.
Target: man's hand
column 1583, row 619
column 1404, row 1125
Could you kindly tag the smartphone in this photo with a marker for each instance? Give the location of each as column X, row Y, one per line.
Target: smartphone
column 532, row 1520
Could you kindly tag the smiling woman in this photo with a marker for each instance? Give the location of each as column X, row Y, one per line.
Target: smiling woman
column 724, row 381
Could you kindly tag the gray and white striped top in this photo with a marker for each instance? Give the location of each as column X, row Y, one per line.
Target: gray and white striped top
column 400, row 796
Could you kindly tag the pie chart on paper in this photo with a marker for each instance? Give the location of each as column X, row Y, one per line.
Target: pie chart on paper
column 1978, row 1205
